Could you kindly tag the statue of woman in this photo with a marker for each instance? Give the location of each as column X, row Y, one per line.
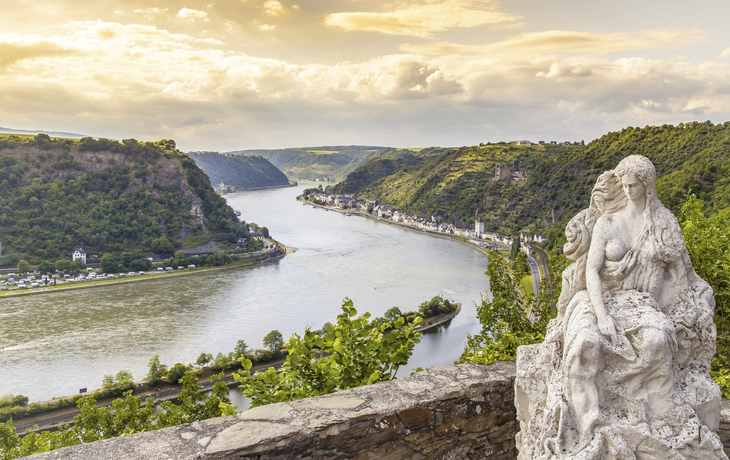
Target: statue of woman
column 624, row 369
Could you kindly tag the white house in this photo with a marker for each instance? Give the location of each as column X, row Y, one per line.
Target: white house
column 79, row 253
column 383, row 211
column 478, row 227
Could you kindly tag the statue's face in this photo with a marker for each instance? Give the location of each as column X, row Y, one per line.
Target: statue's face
column 633, row 187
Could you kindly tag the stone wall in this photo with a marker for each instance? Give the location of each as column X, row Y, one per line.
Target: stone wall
column 451, row 412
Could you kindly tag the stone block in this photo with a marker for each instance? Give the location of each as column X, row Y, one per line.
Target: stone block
column 414, row 419
column 480, row 423
column 449, row 428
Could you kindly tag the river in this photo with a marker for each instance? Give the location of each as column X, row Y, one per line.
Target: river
column 57, row 343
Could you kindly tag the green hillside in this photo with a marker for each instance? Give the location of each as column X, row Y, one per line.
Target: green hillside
column 239, row 171
column 323, row 163
column 106, row 196
column 456, row 186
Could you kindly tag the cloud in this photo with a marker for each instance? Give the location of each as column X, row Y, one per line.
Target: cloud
column 275, row 8
column 422, row 19
column 150, row 11
column 561, row 42
column 725, row 53
column 131, row 80
column 264, row 25
column 14, row 49
column 188, row 13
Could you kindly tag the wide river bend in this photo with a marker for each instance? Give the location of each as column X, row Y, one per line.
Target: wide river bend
column 57, row 343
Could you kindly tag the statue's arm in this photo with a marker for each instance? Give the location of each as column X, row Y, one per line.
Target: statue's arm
column 594, row 264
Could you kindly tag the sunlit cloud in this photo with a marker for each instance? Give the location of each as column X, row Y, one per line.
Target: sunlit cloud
column 423, row 18
column 15, row 48
column 153, row 10
column 725, row 53
column 264, row 25
column 188, row 13
column 561, row 41
column 275, row 8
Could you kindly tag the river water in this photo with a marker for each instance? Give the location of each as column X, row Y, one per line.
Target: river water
column 57, row 343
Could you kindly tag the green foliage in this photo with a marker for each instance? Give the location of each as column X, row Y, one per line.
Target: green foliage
column 126, row 416
column 108, row 263
column 106, row 196
column 353, row 353
column 240, row 349
column 123, row 380
column 510, row 318
column 13, row 401
column 274, row 341
column 325, row 163
column 708, row 244
column 455, row 183
column 436, row 306
column 176, row 372
column 156, row 371
column 23, row 266
column 238, row 170
column 204, row 359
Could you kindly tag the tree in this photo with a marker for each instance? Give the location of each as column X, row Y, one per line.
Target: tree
column 353, row 353
column 265, row 231
column 506, row 318
column 515, row 249
column 392, row 314
column 124, row 379
column 63, row 265
column 156, row 371
column 274, row 341
column 204, row 359
column 108, row 263
column 176, row 373
column 240, row 349
column 44, row 267
column 180, row 255
column 23, row 266
column 708, row 245
column 220, row 362
column 78, row 265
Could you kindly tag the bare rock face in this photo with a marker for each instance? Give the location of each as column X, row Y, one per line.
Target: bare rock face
column 623, row 372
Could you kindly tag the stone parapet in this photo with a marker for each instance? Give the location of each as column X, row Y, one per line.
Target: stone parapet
column 451, row 412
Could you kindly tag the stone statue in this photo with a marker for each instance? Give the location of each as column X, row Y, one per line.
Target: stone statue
column 623, row 372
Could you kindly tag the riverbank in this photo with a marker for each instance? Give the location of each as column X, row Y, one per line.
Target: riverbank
column 53, row 419
column 153, row 275
column 535, row 278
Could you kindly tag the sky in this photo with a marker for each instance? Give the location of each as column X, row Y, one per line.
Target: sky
column 227, row 75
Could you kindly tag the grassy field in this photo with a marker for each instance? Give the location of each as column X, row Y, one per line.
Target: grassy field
column 527, row 285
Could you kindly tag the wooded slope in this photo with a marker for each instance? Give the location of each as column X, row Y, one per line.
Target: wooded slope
column 105, row 196
column 239, row 171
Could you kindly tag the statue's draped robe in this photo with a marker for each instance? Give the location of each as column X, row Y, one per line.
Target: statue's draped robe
column 649, row 394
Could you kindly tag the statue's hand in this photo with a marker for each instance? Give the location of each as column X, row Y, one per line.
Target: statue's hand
column 607, row 327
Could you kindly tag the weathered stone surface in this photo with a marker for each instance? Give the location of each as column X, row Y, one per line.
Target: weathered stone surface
column 346, row 433
column 333, row 402
column 624, row 368
column 242, row 436
column 414, row 419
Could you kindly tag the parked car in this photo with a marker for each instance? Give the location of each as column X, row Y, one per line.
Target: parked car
column 131, row 274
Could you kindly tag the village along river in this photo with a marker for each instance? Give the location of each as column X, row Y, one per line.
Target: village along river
column 57, row 343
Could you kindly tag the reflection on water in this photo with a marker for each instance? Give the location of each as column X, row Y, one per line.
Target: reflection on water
column 58, row 343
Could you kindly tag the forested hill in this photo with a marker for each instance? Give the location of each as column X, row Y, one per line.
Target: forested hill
column 456, row 183
column 323, row 163
column 105, row 196
column 239, row 171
